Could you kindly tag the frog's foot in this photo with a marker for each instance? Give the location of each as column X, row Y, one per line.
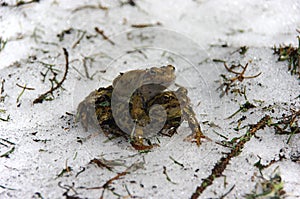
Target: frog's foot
column 196, row 137
column 141, row 147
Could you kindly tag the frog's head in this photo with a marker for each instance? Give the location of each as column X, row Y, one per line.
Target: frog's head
column 164, row 75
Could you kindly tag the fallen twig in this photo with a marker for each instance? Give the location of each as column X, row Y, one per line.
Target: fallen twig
column 228, row 83
column 7, row 188
column 107, row 183
column 290, row 54
column 42, row 97
column 288, row 124
column 221, row 165
column 261, row 166
column 99, row 6
column 167, row 176
column 130, row 169
column 100, row 163
column 146, row 25
column 2, row 90
column 243, row 108
column 176, row 162
column 2, row 43
column 268, row 188
column 79, row 39
column 6, row 119
column 101, row 32
column 23, row 90
column 6, row 154
column 20, row 3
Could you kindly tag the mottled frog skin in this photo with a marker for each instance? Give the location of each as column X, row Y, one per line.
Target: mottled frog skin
column 96, row 109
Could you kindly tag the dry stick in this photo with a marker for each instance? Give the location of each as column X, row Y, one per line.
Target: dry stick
column 25, row 87
column 99, row 6
column 42, row 97
column 20, row 3
column 23, row 90
column 85, row 68
column 167, row 176
column 224, row 161
column 6, row 154
column 146, row 25
column 114, row 178
column 107, row 183
column 101, row 164
column 101, row 32
column 110, row 181
column 79, row 39
column 2, row 86
column 240, row 75
column 7, row 188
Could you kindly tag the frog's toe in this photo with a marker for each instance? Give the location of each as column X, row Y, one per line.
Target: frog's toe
column 196, row 138
column 141, row 147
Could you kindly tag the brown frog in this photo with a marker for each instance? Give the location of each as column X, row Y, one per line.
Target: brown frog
column 136, row 93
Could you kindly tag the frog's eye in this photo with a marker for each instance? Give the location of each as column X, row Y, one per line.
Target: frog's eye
column 152, row 71
column 172, row 67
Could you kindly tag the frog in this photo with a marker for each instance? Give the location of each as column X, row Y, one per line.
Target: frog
column 97, row 109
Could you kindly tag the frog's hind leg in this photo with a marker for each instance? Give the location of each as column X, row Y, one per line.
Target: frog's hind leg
column 189, row 115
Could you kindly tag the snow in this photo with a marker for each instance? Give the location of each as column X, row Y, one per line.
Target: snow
column 45, row 139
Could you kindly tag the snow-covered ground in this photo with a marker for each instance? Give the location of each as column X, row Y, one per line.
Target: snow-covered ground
column 43, row 154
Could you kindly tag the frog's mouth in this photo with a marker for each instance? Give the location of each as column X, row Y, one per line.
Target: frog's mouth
column 164, row 80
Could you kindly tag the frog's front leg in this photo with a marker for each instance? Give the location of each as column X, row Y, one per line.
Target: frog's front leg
column 137, row 139
column 189, row 115
column 141, row 119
